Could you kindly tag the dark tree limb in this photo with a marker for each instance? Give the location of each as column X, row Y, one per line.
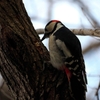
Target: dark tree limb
column 97, row 92
column 22, row 55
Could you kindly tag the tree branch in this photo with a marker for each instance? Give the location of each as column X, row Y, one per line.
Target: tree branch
column 90, row 32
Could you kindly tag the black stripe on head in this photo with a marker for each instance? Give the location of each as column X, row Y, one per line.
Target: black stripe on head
column 52, row 21
column 53, row 28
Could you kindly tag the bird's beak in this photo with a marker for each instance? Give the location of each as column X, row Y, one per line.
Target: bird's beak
column 43, row 38
column 46, row 35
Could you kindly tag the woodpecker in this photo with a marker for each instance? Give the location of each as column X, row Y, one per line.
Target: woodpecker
column 66, row 54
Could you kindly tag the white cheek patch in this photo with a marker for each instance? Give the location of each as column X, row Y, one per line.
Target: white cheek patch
column 61, row 45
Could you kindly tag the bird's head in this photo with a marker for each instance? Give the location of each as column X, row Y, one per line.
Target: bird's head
column 50, row 28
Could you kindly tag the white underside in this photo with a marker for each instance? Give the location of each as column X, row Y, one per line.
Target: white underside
column 56, row 56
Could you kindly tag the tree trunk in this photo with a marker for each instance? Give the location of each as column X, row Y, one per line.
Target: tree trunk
column 22, row 55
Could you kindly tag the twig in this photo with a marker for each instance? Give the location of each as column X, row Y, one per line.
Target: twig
column 97, row 91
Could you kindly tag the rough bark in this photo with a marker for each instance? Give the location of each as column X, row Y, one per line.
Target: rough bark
column 22, row 55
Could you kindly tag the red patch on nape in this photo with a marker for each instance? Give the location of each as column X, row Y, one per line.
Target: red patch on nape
column 55, row 21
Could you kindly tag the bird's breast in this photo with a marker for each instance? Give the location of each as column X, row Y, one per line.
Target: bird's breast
column 56, row 55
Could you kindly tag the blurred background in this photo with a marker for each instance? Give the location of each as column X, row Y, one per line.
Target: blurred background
column 74, row 14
